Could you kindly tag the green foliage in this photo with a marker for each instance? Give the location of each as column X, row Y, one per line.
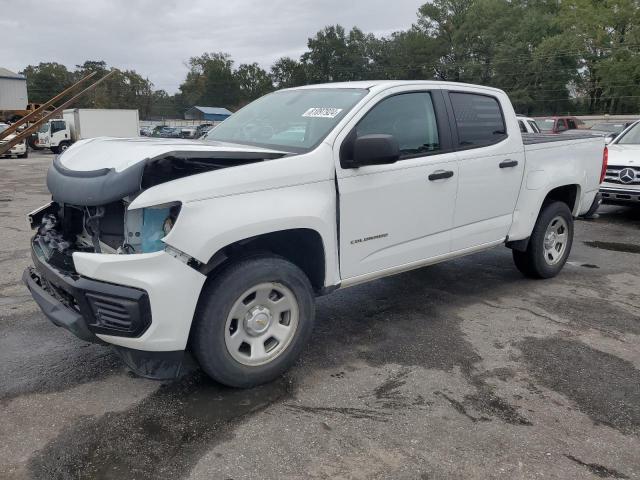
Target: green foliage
column 46, row 80
column 550, row 56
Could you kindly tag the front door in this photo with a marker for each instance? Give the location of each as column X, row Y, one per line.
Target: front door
column 399, row 214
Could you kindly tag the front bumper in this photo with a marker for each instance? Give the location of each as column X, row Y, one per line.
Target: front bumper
column 87, row 307
column 139, row 301
column 617, row 195
column 151, row 298
column 19, row 149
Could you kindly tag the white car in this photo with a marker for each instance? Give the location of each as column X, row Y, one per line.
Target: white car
column 218, row 247
column 19, row 150
column 621, row 184
column 527, row 124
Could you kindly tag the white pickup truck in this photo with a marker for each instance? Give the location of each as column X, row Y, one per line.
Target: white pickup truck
column 218, row 247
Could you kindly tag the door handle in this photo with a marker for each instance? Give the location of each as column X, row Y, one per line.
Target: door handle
column 508, row 163
column 440, row 175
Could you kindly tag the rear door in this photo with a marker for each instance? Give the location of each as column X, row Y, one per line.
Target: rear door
column 491, row 166
column 392, row 216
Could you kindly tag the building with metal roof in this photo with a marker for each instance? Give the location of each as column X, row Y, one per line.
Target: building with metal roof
column 210, row 114
column 13, row 90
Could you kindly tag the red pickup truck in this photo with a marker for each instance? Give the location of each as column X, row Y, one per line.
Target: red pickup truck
column 559, row 124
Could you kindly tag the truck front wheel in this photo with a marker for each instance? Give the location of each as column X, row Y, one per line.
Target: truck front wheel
column 550, row 243
column 253, row 320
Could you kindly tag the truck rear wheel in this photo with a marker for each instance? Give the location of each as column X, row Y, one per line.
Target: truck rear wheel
column 550, row 243
column 253, row 320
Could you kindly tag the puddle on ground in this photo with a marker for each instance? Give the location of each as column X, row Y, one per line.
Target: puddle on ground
column 615, row 247
column 163, row 436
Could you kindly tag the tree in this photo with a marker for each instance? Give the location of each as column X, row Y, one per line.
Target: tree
column 287, row 72
column 334, row 56
column 46, row 80
column 211, row 81
column 253, row 81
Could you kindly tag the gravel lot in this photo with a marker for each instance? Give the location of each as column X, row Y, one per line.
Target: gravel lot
column 460, row 370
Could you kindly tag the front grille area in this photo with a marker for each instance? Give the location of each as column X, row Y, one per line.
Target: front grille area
column 613, row 175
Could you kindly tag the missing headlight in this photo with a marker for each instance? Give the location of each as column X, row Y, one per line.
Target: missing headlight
column 146, row 228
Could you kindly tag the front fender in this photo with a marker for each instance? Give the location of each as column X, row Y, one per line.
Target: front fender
column 206, row 226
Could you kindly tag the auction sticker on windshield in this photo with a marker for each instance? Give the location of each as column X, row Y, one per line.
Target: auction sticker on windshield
column 322, row 112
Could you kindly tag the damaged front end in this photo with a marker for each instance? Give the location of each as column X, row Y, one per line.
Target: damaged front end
column 112, row 298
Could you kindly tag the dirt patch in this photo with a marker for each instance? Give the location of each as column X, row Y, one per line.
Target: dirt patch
column 599, row 470
column 615, row 247
column 161, row 437
column 603, row 386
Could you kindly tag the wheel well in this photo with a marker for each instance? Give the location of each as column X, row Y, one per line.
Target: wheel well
column 567, row 194
column 302, row 247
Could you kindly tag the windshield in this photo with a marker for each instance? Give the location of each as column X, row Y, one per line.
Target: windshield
column 545, row 124
column 3, row 127
column 290, row 120
column 631, row 137
column 44, row 128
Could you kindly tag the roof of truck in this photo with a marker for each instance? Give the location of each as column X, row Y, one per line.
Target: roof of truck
column 382, row 84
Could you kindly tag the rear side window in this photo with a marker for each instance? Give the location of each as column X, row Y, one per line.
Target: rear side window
column 410, row 118
column 479, row 119
column 523, row 129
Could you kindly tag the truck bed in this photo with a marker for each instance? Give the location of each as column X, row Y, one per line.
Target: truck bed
column 535, row 138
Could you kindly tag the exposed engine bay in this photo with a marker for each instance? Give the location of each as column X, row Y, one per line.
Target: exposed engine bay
column 90, row 209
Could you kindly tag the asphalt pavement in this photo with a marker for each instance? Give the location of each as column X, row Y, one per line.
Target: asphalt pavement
column 460, row 370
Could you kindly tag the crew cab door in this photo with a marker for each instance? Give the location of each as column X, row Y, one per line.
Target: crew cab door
column 491, row 166
column 401, row 213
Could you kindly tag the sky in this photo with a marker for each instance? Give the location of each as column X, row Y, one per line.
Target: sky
column 156, row 38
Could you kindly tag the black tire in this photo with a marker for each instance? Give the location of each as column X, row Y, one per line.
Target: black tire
column 25, row 154
column 55, row 150
column 218, row 298
column 532, row 262
column 63, row 146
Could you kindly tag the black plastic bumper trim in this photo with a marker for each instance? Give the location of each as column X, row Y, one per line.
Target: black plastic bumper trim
column 157, row 365
column 56, row 312
column 77, row 296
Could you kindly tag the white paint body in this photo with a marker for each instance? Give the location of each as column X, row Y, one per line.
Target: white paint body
column 423, row 222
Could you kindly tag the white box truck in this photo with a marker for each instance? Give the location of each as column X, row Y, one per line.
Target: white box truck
column 82, row 123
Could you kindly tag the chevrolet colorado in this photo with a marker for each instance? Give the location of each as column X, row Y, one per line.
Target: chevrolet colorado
column 217, row 247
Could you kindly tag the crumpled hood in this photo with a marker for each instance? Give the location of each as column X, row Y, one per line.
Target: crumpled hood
column 624, row 155
column 122, row 153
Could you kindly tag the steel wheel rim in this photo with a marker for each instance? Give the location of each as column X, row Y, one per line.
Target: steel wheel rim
column 556, row 238
column 261, row 324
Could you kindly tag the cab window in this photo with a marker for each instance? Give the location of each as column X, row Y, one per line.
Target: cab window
column 523, row 129
column 478, row 118
column 57, row 126
column 410, row 118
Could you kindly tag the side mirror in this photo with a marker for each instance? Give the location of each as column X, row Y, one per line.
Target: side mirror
column 609, row 138
column 375, row 149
